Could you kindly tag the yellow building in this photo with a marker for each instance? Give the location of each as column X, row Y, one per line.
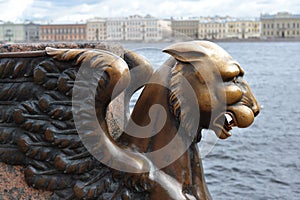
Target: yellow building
column 281, row 25
column 216, row 28
column 213, row 27
column 243, row 29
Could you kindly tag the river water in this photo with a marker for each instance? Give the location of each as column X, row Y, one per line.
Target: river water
column 262, row 161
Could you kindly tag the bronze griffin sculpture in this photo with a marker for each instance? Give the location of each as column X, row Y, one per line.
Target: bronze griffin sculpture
column 53, row 119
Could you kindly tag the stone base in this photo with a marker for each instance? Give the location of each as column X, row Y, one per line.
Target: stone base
column 14, row 187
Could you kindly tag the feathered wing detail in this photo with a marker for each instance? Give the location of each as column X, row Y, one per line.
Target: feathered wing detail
column 37, row 128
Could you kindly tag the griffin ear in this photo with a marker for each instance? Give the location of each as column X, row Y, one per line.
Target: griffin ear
column 186, row 51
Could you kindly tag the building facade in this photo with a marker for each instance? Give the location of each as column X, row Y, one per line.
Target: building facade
column 134, row 28
column 62, row 32
column 151, row 29
column 96, row 29
column 10, row 32
column 213, row 27
column 185, row 28
column 116, row 29
column 280, row 25
column 165, row 27
column 31, row 32
column 243, row 29
column 212, row 30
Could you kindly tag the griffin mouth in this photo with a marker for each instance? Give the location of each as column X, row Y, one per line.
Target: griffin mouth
column 225, row 121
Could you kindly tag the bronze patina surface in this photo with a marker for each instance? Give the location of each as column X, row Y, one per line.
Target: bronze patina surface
column 40, row 130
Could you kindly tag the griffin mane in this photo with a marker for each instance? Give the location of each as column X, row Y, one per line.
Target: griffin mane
column 177, row 98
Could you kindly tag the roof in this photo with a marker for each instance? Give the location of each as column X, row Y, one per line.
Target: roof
column 280, row 15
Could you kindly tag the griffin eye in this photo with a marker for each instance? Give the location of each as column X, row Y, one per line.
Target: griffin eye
column 229, row 72
column 235, row 79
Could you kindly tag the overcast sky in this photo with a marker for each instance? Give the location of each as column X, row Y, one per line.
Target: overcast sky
column 78, row 10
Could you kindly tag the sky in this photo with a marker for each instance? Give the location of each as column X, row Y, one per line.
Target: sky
column 79, row 11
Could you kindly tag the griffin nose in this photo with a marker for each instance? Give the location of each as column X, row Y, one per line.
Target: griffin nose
column 256, row 110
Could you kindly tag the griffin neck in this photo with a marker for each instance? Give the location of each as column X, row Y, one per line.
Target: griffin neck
column 187, row 170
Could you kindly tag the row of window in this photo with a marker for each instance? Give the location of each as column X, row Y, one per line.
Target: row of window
column 213, row 31
column 132, row 35
column 114, row 30
column 133, row 29
column 185, row 23
column 248, row 31
column 62, row 38
column 282, row 25
column 63, row 30
column 151, row 29
column 255, row 25
column 98, row 25
column 212, row 25
column 115, row 35
column 281, row 33
column 97, row 29
column 95, row 39
column 211, row 36
column 186, row 31
column 131, row 23
column 152, row 35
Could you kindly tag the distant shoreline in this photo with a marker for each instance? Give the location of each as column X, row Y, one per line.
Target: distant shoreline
column 233, row 40
column 258, row 40
column 216, row 40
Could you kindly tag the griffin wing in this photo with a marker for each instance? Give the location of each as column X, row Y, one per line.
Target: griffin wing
column 37, row 127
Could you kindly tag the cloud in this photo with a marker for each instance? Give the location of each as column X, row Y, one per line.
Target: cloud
column 77, row 10
column 12, row 10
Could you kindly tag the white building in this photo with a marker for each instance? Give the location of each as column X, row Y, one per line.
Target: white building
column 134, row 28
column 116, row 28
column 10, row 32
column 96, row 29
column 31, row 32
